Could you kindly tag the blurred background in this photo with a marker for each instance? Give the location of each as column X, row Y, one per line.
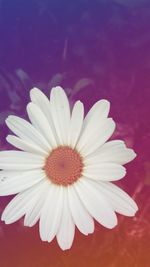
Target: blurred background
column 94, row 49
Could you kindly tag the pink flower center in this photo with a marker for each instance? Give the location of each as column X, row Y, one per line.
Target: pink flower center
column 64, row 166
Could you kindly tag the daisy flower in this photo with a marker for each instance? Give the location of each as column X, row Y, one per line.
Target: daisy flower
column 63, row 175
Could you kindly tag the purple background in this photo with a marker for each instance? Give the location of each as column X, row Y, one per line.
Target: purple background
column 94, row 49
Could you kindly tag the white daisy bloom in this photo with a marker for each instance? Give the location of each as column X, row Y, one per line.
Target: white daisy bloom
column 63, row 177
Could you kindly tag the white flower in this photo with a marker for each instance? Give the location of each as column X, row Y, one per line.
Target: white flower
column 63, row 177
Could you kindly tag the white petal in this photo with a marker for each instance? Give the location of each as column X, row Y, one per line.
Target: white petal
column 41, row 123
column 96, row 203
column 51, row 213
column 76, row 123
column 33, row 212
column 95, row 135
column 20, row 160
column 18, row 206
column 119, row 200
column 109, row 144
column 25, row 145
column 104, row 171
column 99, row 111
column 66, row 230
column 5, row 175
column 27, row 132
column 41, row 100
column 21, row 182
column 60, row 111
column 112, row 151
column 81, row 217
column 113, row 143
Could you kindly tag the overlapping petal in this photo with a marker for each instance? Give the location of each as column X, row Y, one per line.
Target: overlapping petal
column 50, row 218
column 66, row 231
column 104, row 171
column 22, row 203
column 118, row 199
column 41, row 123
column 42, row 101
column 21, row 182
column 96, row 203
column 26, row 131
column 60, row 111
column 33, row 211
column 80, row 215
column 95, row 135
column 76, row 124
column 20, row 160
column 25, row 145
column 112, row 151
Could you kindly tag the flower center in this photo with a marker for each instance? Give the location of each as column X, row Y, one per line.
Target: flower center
column 64, row 166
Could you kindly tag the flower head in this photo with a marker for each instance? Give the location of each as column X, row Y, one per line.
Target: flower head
column 63, row 177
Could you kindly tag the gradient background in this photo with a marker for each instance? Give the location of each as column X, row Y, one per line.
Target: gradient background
column 95, row 49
